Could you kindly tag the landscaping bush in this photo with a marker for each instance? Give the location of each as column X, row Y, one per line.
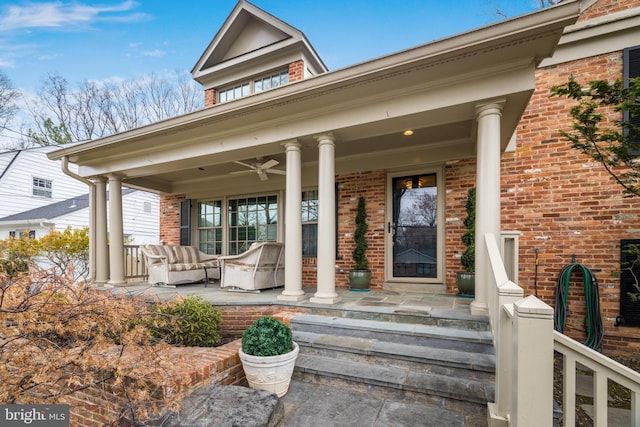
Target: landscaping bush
column 267, row 336
column 62, row 338
column 190, row 321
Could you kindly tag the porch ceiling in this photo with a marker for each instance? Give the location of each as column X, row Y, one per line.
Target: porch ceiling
column 432, row 89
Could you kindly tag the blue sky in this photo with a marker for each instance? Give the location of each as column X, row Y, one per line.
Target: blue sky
column 102, row 39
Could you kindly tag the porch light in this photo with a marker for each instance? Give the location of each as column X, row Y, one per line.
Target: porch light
column 408, row 132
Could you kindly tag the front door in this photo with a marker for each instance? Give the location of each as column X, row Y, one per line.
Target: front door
column 413, row 228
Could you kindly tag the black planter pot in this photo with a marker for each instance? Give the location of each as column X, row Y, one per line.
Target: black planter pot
column 360, row 280
column 466, row 283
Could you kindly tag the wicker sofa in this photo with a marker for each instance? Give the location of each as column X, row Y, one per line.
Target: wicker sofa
column 174, row 265
column 260, row 267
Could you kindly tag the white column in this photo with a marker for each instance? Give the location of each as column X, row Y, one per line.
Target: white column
column 92, row 233
column 487, row 197
column 326, row 292
column 293, row 226
column 101, row 244
column 116, row 232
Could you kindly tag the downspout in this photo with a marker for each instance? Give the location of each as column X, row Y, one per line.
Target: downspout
column 92, row 215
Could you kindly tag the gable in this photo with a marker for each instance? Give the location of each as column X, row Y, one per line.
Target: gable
column 247, row 34
column 252, row 41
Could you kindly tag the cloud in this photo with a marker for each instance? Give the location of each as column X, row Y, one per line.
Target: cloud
column 7, row 63
column 64, row 15
column 50, row 56
column 157, row 53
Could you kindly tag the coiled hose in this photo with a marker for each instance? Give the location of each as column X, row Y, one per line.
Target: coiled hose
column 593, row 319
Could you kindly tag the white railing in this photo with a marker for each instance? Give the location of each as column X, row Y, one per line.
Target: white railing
column 604, row 369
column 525, row 343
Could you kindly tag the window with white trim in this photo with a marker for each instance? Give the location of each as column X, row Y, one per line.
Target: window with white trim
column 251, row 219
column 255, row 85
column 210, row 227
column 309, row 223
column 42, row 187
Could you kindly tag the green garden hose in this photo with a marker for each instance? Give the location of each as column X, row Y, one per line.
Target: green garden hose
column 593, row 319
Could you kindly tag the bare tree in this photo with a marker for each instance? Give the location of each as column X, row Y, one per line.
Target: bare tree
column 97, row 109
column 8, row 98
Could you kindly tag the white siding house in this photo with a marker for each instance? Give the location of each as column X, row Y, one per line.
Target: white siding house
column 38, row 196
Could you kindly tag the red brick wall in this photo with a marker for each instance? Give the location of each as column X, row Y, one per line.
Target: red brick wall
column 460, row 176
column 565, row 204
column 604, row 7
column 210, row 97
column 220, row 365
column 296, row 71
column 170, row 219
column 371, row 185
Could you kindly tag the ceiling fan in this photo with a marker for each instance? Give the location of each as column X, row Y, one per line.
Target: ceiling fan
column 262, row 169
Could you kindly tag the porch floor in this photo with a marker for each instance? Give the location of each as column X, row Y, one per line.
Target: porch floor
column 375, row 301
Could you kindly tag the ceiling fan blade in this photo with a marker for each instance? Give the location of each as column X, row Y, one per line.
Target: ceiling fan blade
column 269, row 164
column 276, row 171
column 263, row 176
column 245, row 164
column 241, row 172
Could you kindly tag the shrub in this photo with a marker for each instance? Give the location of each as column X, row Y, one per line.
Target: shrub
column 191, row 321
column 63, row 338
column 360, row 237
column 468, row 259
column 267, row 336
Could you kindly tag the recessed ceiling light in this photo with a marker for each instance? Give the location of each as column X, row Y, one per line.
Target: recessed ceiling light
column 408, row 132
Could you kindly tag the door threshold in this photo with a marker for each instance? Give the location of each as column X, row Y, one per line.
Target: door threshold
column 422, row 288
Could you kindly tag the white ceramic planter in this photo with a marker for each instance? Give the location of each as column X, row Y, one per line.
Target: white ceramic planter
column 271, row 373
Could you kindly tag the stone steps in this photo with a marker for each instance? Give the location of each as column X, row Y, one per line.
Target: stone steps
column 409, row 362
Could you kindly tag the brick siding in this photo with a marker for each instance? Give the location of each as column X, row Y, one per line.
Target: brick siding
column 210, row 97
column 296, row 71
column 604, row 7
column 565, row 204
column 170, row 219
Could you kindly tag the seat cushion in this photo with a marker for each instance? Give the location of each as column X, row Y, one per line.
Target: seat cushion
column 191, row 266
column 185, row 254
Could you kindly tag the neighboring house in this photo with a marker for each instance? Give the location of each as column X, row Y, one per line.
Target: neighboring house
column 284, row 148
column 38, row 197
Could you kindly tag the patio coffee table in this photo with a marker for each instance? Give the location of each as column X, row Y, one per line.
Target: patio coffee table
column 206, row 274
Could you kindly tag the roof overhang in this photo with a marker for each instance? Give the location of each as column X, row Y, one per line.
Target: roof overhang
column 432, row 89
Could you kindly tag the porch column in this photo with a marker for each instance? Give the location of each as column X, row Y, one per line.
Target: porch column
column 293, row 225
column 326, row 291
column 101, row 245
column 487, row 196
column 116, row 232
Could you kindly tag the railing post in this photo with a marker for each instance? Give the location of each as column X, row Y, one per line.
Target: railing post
column 533, row 364
column 498, row 412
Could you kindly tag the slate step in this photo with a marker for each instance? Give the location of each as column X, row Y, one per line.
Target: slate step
column 401, row 380
column 405, row 356
column 433, row 316
column 399, row 333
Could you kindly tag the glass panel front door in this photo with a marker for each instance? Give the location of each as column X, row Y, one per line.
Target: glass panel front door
column 414, row 226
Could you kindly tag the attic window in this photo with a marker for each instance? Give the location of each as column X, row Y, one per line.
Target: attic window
column 256, row 85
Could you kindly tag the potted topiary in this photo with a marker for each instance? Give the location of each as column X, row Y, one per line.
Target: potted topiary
column 465, row 280
column 360, row 275
column 268, row 355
